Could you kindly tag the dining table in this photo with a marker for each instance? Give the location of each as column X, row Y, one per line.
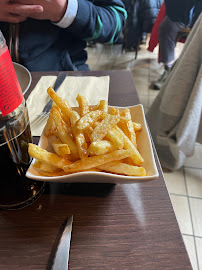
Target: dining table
column 115, row 226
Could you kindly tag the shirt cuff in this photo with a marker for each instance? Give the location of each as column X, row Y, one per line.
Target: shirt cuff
column 70, row 14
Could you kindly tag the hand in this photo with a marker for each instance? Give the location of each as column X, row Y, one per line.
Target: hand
column 52, row 10
column 7, row 13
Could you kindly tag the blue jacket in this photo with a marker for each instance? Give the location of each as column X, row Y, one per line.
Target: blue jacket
column 44, row 46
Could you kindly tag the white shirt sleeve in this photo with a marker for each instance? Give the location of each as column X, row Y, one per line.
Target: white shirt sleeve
column 70, row 14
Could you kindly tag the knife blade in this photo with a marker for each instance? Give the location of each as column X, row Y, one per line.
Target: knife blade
column 60, row 254
column 60, row 78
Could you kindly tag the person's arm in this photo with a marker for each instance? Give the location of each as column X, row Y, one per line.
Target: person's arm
column 98, row 20
column 103, row 21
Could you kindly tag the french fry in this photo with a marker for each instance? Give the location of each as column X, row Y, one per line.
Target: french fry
column 83, row 105
column 128, row 127
column 100, row 147
column 135, row 155
column 88, row 119
column 74, row 117
column 115, row 111
column 95, row 161
column 63, row 131
column 79, row 136
column 106, row 124
column 115, row 138
column 89, row 130
column 60, row 148
column 50, row 128
column 137, row 126
column 66, row 119
column 43, row 166
column 82, row 145
column 87, row 133
column 128, row 160
column 61, row 103
column 103, row 106
column 73, row 157
column 50, row 158
column 123, row 168
column 126, row 113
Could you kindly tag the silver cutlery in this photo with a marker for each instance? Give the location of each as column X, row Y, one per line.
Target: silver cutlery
column 60, row 78
column 60, row 254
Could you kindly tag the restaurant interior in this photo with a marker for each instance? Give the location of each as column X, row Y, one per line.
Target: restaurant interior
column 185, row 184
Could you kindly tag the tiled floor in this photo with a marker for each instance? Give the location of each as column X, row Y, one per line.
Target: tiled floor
column 184, row 185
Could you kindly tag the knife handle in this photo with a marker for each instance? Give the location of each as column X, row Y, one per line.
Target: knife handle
column 60, row 78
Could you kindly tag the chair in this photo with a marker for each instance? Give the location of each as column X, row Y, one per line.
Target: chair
column 183, row 34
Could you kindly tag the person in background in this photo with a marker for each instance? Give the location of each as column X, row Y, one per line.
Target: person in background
column 179, row 14
column 53, row 34
column 141, row 17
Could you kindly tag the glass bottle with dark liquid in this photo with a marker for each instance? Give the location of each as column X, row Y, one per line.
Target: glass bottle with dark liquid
column 16, row 191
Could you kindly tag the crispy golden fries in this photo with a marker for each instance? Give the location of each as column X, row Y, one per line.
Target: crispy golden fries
column 43, row 166
column 101, row 129
column 123, row 168
column 45, row 156
column 88, row 119
column 135, row 155
column 100, row 147
column 83, row 105
column 79, row 135
column 61, row 103
column 137, row 126
column 115, row 138
column 50, row 128
column 96, row 161
column 62, row 130
column 60, row 148
column 93, row 139
column 103, row 106
column 128, row 127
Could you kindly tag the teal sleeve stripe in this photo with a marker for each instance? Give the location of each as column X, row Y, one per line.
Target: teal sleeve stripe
column 98, row 30
column 122, row 10
column 118, row 25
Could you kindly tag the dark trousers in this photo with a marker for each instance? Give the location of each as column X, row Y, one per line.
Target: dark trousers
column 167, row 39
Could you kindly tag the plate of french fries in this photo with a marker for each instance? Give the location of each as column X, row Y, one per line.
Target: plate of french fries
column 93, row 144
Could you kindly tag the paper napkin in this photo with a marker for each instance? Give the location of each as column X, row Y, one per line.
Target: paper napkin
column 92, row 88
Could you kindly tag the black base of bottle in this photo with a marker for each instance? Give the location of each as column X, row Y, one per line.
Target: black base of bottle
column 24, row 204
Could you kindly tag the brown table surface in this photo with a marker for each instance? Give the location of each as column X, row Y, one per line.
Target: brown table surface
column 130, row 226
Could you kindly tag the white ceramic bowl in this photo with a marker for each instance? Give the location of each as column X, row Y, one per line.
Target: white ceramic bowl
column 24, row 76
column 144, row 147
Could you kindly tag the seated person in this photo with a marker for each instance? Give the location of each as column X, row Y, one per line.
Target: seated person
column 179, row 14
column 53, row 34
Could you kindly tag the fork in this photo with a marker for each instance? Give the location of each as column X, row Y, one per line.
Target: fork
column 46, row 110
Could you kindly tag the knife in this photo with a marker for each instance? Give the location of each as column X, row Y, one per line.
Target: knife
column 60, row 254
column 60, row 78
